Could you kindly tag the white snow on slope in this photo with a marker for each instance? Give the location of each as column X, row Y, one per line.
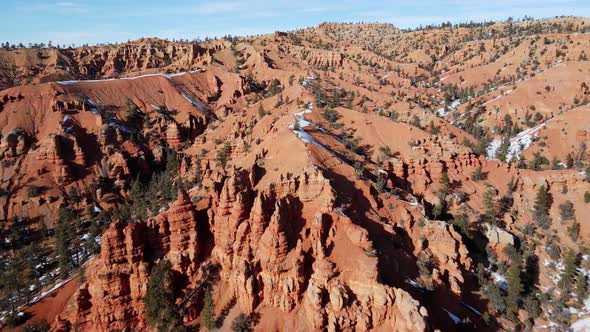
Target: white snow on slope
column 456, row 320
column 472, row 308
column 168, row 76
column 518, row 143
column 498, row 97
column 300, row 119
column 500, row 280
column 583, row 325
column 451, row 107
column 49, row 291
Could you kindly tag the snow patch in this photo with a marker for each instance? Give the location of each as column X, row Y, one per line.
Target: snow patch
column 500, row 280
column 167, row 76
column 451, row 108
column 49, row 291
column 300, row 120
column 498, row 96
column 583, row 325
column 518, row 143
column 472, row 308
column 456, row 320
column 195, row 103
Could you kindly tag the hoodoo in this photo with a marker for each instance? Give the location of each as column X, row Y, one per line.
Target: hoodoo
column 344, row 177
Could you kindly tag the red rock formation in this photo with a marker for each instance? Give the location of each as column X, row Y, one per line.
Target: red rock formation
column 111, row 299
column 173, row 135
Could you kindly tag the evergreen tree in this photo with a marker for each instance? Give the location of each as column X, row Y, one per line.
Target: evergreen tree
column 12, row 283
column 515, row 287
column 461, row 222
column 160, row 304
column 63, row 238
column 380, row 184
column 581, row 287
column 502, row 152
column 209, row 310
column 223, row 155
column 570, row 266
column 336, row 98
column 542, row 204
column 574, row 231
column 567, row 211
column 82, row 274
column 138, row 199
column 477, row 174
column 495, row 295
column 261, row 112
column 569, row 161
column 489, row 203
column 444, row 184
column 240, row 324
column 18, row 232
column 74, row 194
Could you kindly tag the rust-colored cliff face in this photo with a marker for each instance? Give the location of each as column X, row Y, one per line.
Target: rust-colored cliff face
column 111, row 299
column 349, row 177
column 271, row 248
column 96, row 62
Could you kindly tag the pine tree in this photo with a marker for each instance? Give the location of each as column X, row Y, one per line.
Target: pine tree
column 477, row 174
column 494, row 293
column 574, row 231
column 444, row 184
column 569, row 161
column 542, row 203
column 489, row 202
column 62, row 241
column 515, row 287
column 240, row 324
column 160, row 303
column 82, row 274
column 567, row 211
column 209, row 310
column 261, row 112
column 296, row 125
column 74, row 194
column 380, row 184
column 581, row 287
column 502, row 152
column 138, row 199
column 223, row 155
column 12, row 283
column 570, row 266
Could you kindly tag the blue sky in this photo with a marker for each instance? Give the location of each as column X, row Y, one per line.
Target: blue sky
column 93, row 21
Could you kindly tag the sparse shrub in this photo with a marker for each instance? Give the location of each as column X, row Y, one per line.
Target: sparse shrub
column 567, row 211
column 574, row 231
column 240, row 324
column 34, row 191
column 261, row 111
column 331, row 115
column 415, row 121
column 478, row 174
column 425, row 264
column 380, row 184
